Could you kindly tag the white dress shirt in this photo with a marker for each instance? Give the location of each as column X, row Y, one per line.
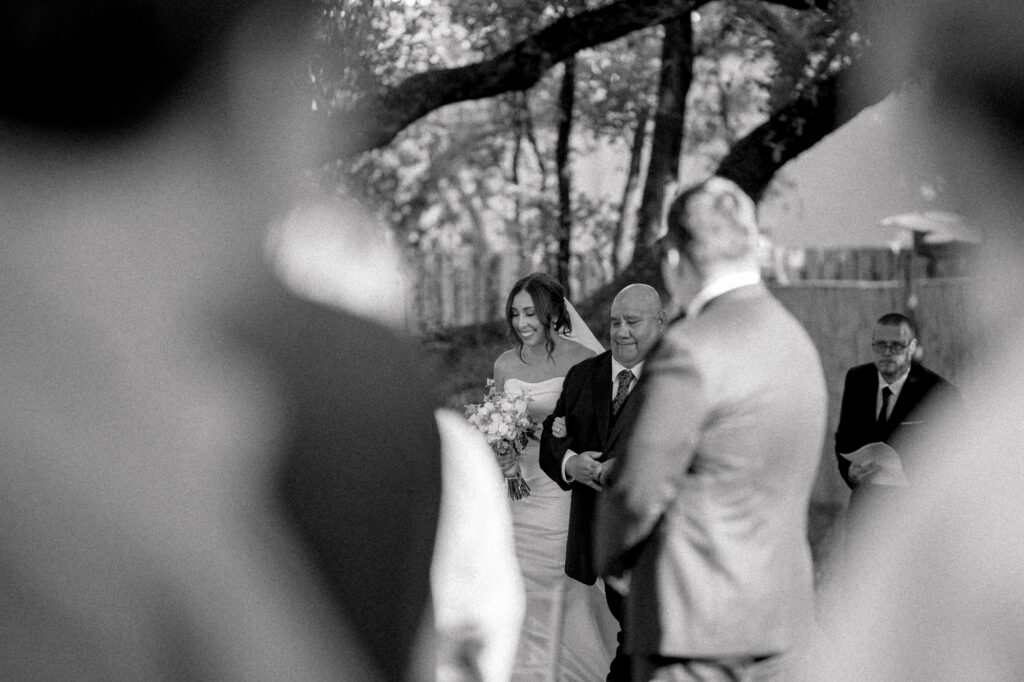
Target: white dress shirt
column 719, row 286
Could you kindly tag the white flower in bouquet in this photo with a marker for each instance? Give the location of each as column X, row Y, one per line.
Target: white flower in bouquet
column 505, row 422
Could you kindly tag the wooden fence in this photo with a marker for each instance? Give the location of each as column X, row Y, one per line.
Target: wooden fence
column 458, row 288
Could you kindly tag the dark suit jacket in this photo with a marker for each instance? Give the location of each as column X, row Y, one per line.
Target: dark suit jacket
column 360, row 462
column 910, row 416
column 585, row 403
column 140, row 539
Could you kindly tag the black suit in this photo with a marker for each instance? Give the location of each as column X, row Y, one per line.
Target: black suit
column 858, row 414
column 906, row 429
column 586, row 404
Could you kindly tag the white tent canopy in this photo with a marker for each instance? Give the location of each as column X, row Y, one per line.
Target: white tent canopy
column 939, row 227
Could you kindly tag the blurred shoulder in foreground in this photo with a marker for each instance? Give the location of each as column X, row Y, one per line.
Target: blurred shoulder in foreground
column 203, row 471
column 946, row 583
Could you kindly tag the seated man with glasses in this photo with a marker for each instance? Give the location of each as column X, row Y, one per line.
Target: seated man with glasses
column 885, row 401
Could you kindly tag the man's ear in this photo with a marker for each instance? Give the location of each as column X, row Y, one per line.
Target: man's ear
column 672, row 264
column 672, row 257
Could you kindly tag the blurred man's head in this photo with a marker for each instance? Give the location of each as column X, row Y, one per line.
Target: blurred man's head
column 637, row 322
column 183, row 124
column 710, row 229
column 103, row 67
column 893, row 343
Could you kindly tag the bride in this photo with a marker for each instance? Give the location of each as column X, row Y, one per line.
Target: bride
column 568, row 632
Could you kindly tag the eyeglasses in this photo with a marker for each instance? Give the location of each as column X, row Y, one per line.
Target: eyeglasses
column 893, row 348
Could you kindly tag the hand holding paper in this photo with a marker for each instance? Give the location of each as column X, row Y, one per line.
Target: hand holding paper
column 877, row 463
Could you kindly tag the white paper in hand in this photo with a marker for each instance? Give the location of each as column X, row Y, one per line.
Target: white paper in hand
column 886, row 458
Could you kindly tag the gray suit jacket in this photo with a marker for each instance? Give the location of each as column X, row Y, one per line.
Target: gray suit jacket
column 708, row 510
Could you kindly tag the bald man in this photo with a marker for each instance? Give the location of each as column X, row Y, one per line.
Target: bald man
column 594, row 411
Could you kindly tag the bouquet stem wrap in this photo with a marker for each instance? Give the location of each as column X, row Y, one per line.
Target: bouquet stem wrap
column 504, row 421
column 518, row 488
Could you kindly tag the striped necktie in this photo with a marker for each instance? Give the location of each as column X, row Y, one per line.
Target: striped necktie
column 624, row 378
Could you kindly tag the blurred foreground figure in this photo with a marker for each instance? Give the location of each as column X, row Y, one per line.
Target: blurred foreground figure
column 946, row 583
column 476, row 583
column 204, row 476
column 335, row 253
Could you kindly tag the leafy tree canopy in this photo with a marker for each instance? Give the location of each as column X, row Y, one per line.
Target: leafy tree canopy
column 444, row 113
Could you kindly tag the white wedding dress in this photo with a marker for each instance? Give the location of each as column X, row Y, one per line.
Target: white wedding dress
column 568, row 632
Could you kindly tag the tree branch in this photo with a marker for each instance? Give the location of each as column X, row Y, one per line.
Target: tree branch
column 798, row 126
column 377, row 118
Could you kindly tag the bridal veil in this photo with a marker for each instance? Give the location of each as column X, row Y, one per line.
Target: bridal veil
column 581, row 333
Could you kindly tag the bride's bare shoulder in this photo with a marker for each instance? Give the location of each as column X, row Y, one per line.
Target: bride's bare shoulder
column 507, row 359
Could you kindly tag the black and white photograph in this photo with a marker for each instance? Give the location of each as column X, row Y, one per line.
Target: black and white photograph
column 519, row 341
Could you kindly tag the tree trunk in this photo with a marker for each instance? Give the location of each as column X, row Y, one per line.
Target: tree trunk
column 753, row 161
column 622, row 239
column 518, row 128
column 566, row 103
column 669, row 121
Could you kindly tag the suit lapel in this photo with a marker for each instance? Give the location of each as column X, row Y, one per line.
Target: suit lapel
column 868, row 406
column 601, row 383
column 908, row 398
column 626, row 415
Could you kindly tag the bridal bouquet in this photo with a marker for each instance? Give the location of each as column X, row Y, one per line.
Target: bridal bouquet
column 505, row 423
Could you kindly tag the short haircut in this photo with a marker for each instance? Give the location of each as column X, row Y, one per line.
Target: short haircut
column 548, row 303
column 896, row 319
column 711, row 222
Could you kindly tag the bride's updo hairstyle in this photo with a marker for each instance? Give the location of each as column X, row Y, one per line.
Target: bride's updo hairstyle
column 549, row 305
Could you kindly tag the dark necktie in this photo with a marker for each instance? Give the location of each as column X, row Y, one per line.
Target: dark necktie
column 625, row 377
column 883, row 414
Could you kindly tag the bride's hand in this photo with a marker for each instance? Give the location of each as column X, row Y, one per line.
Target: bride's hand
column 558, row 427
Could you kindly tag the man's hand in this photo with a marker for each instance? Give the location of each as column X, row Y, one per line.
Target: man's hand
column 584, row 468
